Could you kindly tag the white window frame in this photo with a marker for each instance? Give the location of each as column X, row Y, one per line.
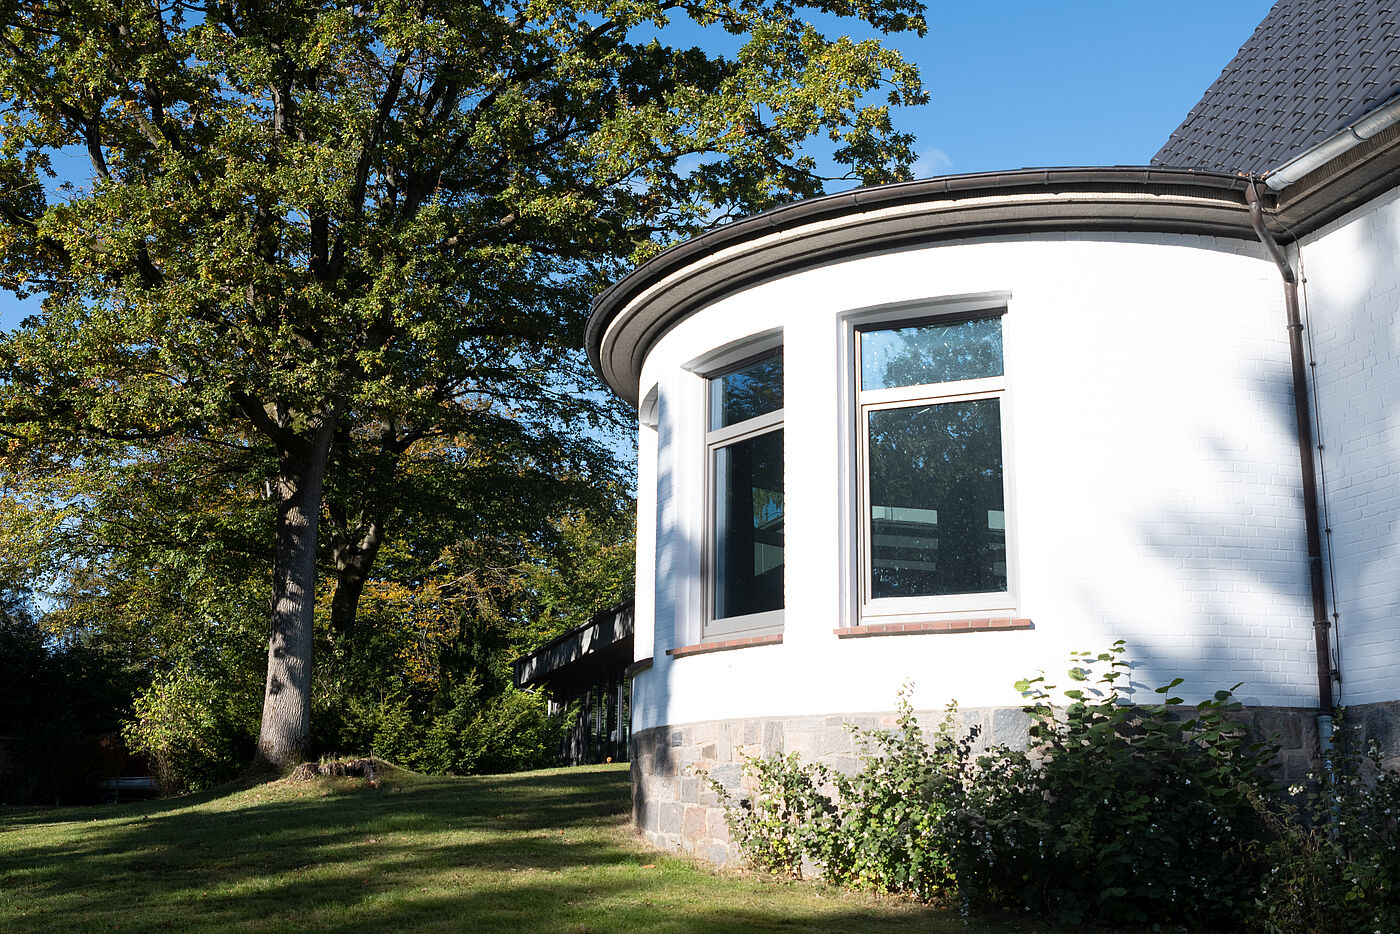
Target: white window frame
column 752, row 624
column 860, row 403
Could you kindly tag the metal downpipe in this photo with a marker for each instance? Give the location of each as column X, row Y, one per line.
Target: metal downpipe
column 1322, row 639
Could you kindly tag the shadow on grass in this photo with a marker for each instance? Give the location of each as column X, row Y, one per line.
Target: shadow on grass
column 541, row 852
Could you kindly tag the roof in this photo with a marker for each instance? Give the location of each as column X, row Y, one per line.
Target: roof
column 603, row 645
column 1310, row 69
column 631, row 315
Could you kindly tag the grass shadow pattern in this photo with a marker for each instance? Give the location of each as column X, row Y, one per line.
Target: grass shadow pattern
column 545, row 851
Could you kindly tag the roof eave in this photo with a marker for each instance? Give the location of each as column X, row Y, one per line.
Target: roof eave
column 631, row 315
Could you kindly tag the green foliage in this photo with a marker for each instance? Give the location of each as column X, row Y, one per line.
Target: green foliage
column 787, row 821
column 589, row 567
column 1117, row 813
column 1335, row 863
column 895, row 810
column 317, row 237
column 462, row 732
column 195, row 730
column 1144, row 807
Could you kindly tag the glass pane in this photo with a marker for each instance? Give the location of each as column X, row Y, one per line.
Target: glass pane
column 749, row 526
column 937, row 516
column 930, row 353
column 754, row 389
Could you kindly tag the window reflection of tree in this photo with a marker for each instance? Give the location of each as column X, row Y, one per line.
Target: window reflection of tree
column 750, row 575
column 749, row 392
column 943, row 458
column 917, row 356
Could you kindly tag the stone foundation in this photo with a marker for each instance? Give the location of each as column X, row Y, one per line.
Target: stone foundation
column 674, row 807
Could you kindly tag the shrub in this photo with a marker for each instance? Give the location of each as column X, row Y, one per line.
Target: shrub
column 193, row 729
column 928, row 820
column 786, row 822
column 1143, row 808
column 1336, row 855
column 459, row 731
column 913, row 820
column 1116, row 813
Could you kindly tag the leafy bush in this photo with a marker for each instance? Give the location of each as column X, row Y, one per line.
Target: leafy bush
column 1116, row 813
column 913, row 820
column 460, row 731
column 1336, row 855
column 195, row 730
column 925, row 819
column 1142, row 808
column 787, row 822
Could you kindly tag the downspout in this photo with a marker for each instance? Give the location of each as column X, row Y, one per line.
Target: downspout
column 1302, row 410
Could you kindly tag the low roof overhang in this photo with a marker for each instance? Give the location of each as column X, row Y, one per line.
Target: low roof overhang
column 574, row 661
column 628, row 318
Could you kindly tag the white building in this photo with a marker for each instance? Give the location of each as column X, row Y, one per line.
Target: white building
column 946, row 431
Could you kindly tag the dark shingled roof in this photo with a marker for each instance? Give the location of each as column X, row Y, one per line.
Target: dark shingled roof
column 1311, row 68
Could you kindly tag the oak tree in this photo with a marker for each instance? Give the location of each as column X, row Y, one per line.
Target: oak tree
column 311, row 222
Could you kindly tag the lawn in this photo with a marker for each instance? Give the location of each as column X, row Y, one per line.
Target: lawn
column 535, row 852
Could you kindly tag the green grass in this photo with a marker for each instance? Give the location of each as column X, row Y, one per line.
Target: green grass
column 535, row 852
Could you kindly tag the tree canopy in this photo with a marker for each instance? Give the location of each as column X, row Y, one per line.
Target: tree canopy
column 321, row 238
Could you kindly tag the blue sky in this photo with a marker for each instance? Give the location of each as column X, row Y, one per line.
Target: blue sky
column 1031, row 83
column 1079, row 82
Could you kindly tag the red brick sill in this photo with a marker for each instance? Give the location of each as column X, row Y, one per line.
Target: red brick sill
column 724, row 645
column 995, row 624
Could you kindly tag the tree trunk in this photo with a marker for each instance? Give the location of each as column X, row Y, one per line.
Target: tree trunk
column 353, row 561
column 286, row 717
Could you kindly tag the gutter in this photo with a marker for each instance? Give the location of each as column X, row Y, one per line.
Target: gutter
column 629, row 314
column 1344, row 140
column 1322, row 639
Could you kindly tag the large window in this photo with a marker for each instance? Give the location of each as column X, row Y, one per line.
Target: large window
column 933, row 505
column 744, row 450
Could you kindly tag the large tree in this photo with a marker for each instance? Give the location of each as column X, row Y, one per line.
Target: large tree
column 313, row 223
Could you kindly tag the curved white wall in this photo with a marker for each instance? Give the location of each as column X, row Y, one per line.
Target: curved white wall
column 1152, row 477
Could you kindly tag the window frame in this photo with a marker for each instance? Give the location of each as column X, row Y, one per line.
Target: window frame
column 860, row 403
column 767, row 622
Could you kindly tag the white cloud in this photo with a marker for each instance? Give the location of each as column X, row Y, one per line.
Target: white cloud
column 932, row 162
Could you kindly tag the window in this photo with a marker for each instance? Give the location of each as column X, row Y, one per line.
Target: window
column 933, row 506
column 744, row 453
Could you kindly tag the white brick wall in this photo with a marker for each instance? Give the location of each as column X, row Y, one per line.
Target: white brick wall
column 1148, row 423
column 1352, row 298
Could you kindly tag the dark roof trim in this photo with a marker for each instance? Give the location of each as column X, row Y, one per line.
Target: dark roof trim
column 612, row 626
column 821, row 230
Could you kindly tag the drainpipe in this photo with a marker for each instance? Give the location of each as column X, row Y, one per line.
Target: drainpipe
column 1302, row 410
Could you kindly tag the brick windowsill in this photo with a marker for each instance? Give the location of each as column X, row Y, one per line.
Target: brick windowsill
column 724, row 645
column 994, row 624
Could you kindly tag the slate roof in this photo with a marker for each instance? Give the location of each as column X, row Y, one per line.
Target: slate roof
column 1311, row 68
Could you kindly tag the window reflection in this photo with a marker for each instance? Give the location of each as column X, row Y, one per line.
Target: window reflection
column 749, row 526
column 930, row 353
column 937, row 513
column 748, row 391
